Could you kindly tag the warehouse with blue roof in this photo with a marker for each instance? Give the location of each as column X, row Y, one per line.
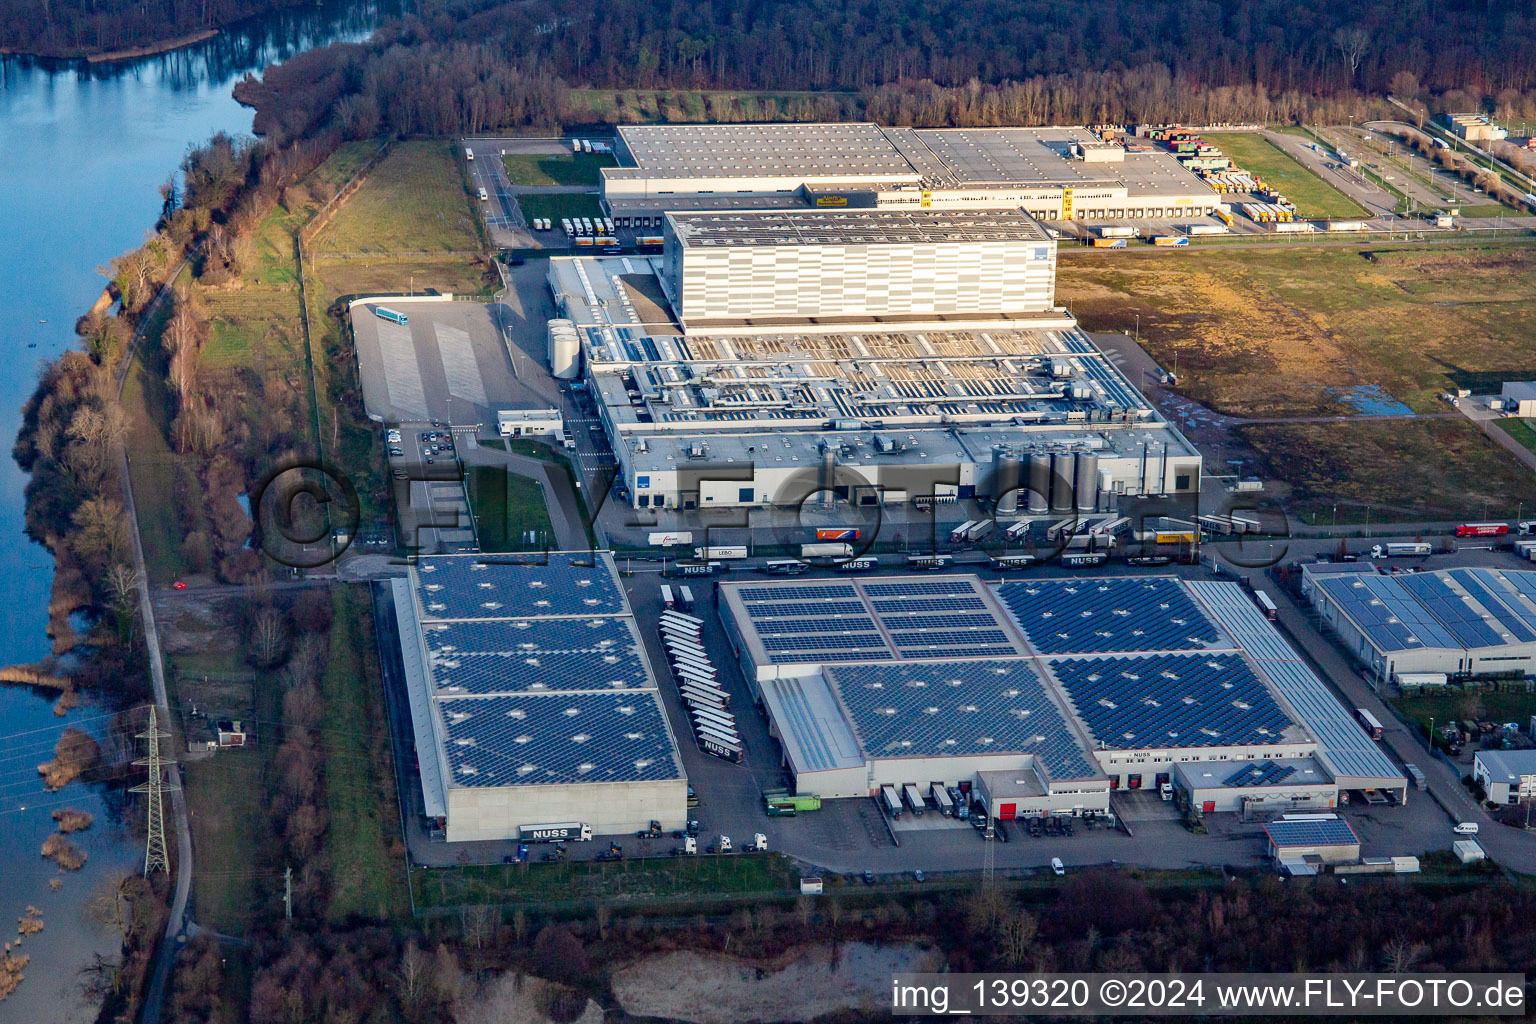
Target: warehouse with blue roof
column 1453, row 622
column 1063, row 688
column 531, row 698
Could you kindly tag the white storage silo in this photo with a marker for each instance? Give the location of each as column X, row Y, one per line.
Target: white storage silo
column 564, row 350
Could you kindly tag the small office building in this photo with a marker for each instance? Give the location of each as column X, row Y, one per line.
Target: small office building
column 1507, row 776
column 1324, row 838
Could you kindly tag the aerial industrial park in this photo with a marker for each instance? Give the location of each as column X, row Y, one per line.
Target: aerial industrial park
column 893, row 554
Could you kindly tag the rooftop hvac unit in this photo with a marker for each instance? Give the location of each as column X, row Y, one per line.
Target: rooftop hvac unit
column 696, row 450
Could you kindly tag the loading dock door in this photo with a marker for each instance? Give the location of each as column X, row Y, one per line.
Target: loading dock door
column 1005, row 812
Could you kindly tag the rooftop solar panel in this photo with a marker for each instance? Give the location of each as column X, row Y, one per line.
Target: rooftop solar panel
column 1386, row 613
column 1079, row 616
column 907, row 709
column 503, row 586
column 544, row 739
column 809, row 591
column 1343, row 748
column 1464, row 621
column 1487, row 589
column 1172, row 700
column 1326, row 832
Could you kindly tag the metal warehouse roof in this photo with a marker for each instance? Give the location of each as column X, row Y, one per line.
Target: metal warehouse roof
column 1287, row 833
column 528, row 671
column 1109, row 614
column 1508, row 766
column 1385, row 612
column 928, row 709
column 547, row 738
column 858, row 227
column 815, row 735
column 1343, row 747
column 1172, row 700
column 806, row 151
column 506, row 586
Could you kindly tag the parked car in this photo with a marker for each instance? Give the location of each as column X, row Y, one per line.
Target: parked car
column 1057, row 866
column 1465, row 828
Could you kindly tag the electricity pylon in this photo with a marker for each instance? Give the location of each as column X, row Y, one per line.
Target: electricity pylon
column 156, row 857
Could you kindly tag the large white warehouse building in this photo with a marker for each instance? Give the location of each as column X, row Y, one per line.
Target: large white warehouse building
column 1056, row 173
column 1068, row 687
column 729, row 269
column 531, row 697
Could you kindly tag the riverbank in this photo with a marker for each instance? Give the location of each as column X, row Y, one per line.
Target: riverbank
column 150, row 49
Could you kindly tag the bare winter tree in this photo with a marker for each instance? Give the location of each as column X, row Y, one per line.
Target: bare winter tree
column 1352, row 41
column 269, row 638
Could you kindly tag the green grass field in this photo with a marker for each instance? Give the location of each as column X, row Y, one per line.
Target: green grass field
column 563, row 169
column 413, row 201
column 655, row 878
column 366, row 874
column 1518, row 429
column 557, row 205
column 224, row 795
column 504, row 505
column 1503, row 706
column 1312, row 195
column 154, row 468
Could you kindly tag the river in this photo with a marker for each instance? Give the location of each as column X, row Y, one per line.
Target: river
column 85, row 149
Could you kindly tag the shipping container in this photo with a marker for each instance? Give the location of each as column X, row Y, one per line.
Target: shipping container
column 1266, row 604
column 667, row 540
column 784, row 567
column 961, row 532
column 1170, row 240
column 826, row 551
column 913, row 797
column 923, row 562
column 1415, row 549
column 726, row 751
column 1369, row 723
column 941, row 798
column 1116, row 231
column 858, row 565
column 686, row 597
column 1017, row 530
column 563, row 832
column 1010, row 562
column 666, row 597
column 844, row 533
column 891, row 801
column 1109, row 243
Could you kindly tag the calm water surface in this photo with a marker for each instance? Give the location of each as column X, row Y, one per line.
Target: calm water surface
column 82, row 152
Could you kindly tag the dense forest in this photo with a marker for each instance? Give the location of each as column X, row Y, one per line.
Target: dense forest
column 82, row 28
column 472, row 65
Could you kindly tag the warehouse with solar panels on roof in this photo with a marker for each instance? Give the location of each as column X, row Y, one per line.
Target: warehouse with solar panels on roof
column 1053, row 692
column 1451, row 622
column 531, row 697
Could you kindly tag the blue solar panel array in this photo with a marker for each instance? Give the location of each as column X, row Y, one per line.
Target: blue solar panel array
column 543, row 739
column 1465, row 622
column 1486, row 588
column 1128, row 613
column 1385, row 612
column 931, row 709
column 797, row 592
column 1327, row 832
column 505, row 586
column 478, row 657
column 1172, row 700
column 1264, row 773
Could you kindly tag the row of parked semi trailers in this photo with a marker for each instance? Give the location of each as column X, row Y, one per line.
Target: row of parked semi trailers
column 909, row 797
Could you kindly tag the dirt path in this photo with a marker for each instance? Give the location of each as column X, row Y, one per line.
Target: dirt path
column 705, row 988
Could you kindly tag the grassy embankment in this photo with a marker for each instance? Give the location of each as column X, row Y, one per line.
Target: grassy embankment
column 1520, row 430
column 1314, row 197
column 556, row 205
column 363, row 842
column 1266, row 334
column 504, row 505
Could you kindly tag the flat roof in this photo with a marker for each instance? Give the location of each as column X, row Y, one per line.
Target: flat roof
column 822, row 621
column 815, row 735
column 1129, row 613
column 1253, row 775
column 763, row 150
column 1154, row 701
column 958, row 709
column 855, row 227
column 1332, row 831
column 770, row 156
column 533, row 672
column 1343, row 747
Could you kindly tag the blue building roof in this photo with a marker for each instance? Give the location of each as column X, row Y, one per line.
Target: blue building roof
column 547, row 738
column 1106, row 614
column 1324, row 832
column 1385, row 612
column 532, row 655
column 932, row 709
column 506, row 586
column 1172, row 700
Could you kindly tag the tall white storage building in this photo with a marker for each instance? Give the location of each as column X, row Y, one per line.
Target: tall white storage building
column 859, row 265
column 532, row 700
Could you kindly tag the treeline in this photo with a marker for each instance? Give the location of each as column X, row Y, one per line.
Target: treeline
column 476, row 65
column 83, row 28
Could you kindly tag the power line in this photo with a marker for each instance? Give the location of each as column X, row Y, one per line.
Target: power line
column 156, row 857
